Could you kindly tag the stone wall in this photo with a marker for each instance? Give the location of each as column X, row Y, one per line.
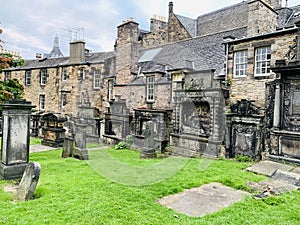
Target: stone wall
column 127, row 50
column 74, row 86
column 250, row 87
column 176, row 31
column 261, row 18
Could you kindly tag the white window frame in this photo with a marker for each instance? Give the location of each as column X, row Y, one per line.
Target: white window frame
column 63, row 99
column 240, row 63
column 64, row 74
column 42, row 101
column 43, row 76
column 262, row 61
column 7, row 75
column 97, row 79
column 28, row 77
column 150, row 88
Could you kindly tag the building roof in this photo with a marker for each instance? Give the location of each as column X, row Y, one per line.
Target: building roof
column 201, row 53
column 189, row 24
column 92, row 58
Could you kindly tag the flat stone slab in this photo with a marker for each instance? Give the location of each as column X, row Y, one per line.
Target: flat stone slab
column 296, row 170
column 287, row 177
column 267, row 168
column 208, row 198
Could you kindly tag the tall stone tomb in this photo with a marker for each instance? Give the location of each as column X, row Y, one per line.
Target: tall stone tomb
column 15, row 138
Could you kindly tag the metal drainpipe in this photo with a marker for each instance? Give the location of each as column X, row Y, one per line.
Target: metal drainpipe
column 226, row 64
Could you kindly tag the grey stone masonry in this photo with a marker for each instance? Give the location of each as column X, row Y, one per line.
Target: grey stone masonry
column 15, row 138
column 80, row 151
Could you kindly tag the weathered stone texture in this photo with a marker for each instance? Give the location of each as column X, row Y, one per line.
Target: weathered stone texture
column 261, row 18
column 250, row 87
column 176, row 31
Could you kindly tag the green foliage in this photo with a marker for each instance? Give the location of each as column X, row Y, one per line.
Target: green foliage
column 7, row 61
column 11, row 89
column 121, row 146
column 35, row 141
column 242, row 158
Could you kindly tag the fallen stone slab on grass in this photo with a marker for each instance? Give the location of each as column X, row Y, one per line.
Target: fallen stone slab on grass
column 208, row 198
column 287, row 177
column 29, row 182
column 268, row 168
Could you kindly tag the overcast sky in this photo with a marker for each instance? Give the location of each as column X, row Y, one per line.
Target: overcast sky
column 30, row 26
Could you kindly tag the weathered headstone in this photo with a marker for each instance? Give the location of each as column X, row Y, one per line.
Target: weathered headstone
column 29, row 182
column 148, row 151
column 68, row 141
column 80, row 151
column 15, row 138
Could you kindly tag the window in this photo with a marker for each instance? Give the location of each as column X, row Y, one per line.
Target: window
column 64, row 74
column 110, row 90
column 82, row 73
column 240, row 63
column 97, row 79
column 42, row 102
column 28, row 77
column 150, row 88
column 262, row 61
column 63, row 99
column 7, row 75
column 43, row 76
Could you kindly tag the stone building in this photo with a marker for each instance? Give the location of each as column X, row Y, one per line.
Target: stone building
column 62, row 84
column 180, row 74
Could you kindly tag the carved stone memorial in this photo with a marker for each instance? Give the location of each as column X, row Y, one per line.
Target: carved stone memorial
column 15, row 138
column 283, row 121
column 148, row 151
column 79, row 150
column 29, row 182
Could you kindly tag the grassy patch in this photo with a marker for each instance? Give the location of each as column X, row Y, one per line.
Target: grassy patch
column 71, row 191
column 35, row 141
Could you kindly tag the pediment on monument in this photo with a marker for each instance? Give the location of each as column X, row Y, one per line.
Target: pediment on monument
column 244, row 108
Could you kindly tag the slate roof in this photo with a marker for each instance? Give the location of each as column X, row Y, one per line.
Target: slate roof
column 201, row 53
column 292, row 17
column 92, row 58
column 189, row 24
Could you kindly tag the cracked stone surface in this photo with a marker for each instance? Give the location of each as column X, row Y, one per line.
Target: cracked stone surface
column 208, row 198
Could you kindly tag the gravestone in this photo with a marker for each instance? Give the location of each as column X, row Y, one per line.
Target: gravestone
column 69, row 140
column 15, row 138
column 29, row 182
column 79, row 150
column 148, row 151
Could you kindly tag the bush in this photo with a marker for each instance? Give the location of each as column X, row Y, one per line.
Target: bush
column 121, row 146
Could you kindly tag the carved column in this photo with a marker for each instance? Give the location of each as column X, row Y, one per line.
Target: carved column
column 276, row 120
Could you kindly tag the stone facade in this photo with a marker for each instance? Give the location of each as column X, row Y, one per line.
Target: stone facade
column 252, row 87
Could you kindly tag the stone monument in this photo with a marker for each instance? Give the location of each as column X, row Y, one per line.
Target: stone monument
column 79, row 150
column 148, row 151
column 29, row 182
column 15, row 138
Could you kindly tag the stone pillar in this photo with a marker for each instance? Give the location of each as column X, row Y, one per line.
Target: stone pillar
column 80, row 151
column 276, row 120
column 298, row 42
column 15, row 138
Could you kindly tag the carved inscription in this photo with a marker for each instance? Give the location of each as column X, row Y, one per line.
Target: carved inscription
column 296, row 103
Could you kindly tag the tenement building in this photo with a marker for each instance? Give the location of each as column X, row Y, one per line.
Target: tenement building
column 200, row 81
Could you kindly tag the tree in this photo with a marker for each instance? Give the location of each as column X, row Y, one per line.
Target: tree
column 8, row 60
column 11, row 89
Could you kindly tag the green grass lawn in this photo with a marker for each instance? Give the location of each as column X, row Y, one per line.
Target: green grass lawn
column 73, row 192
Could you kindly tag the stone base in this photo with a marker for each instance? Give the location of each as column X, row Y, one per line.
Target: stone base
column 148, row 154
column 54, row 144
column 79, row 153
column 12, row 171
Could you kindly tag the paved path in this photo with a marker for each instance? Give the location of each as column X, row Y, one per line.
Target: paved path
column 40, row 148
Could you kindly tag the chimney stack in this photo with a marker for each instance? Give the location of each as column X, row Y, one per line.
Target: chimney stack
column 77, row 52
